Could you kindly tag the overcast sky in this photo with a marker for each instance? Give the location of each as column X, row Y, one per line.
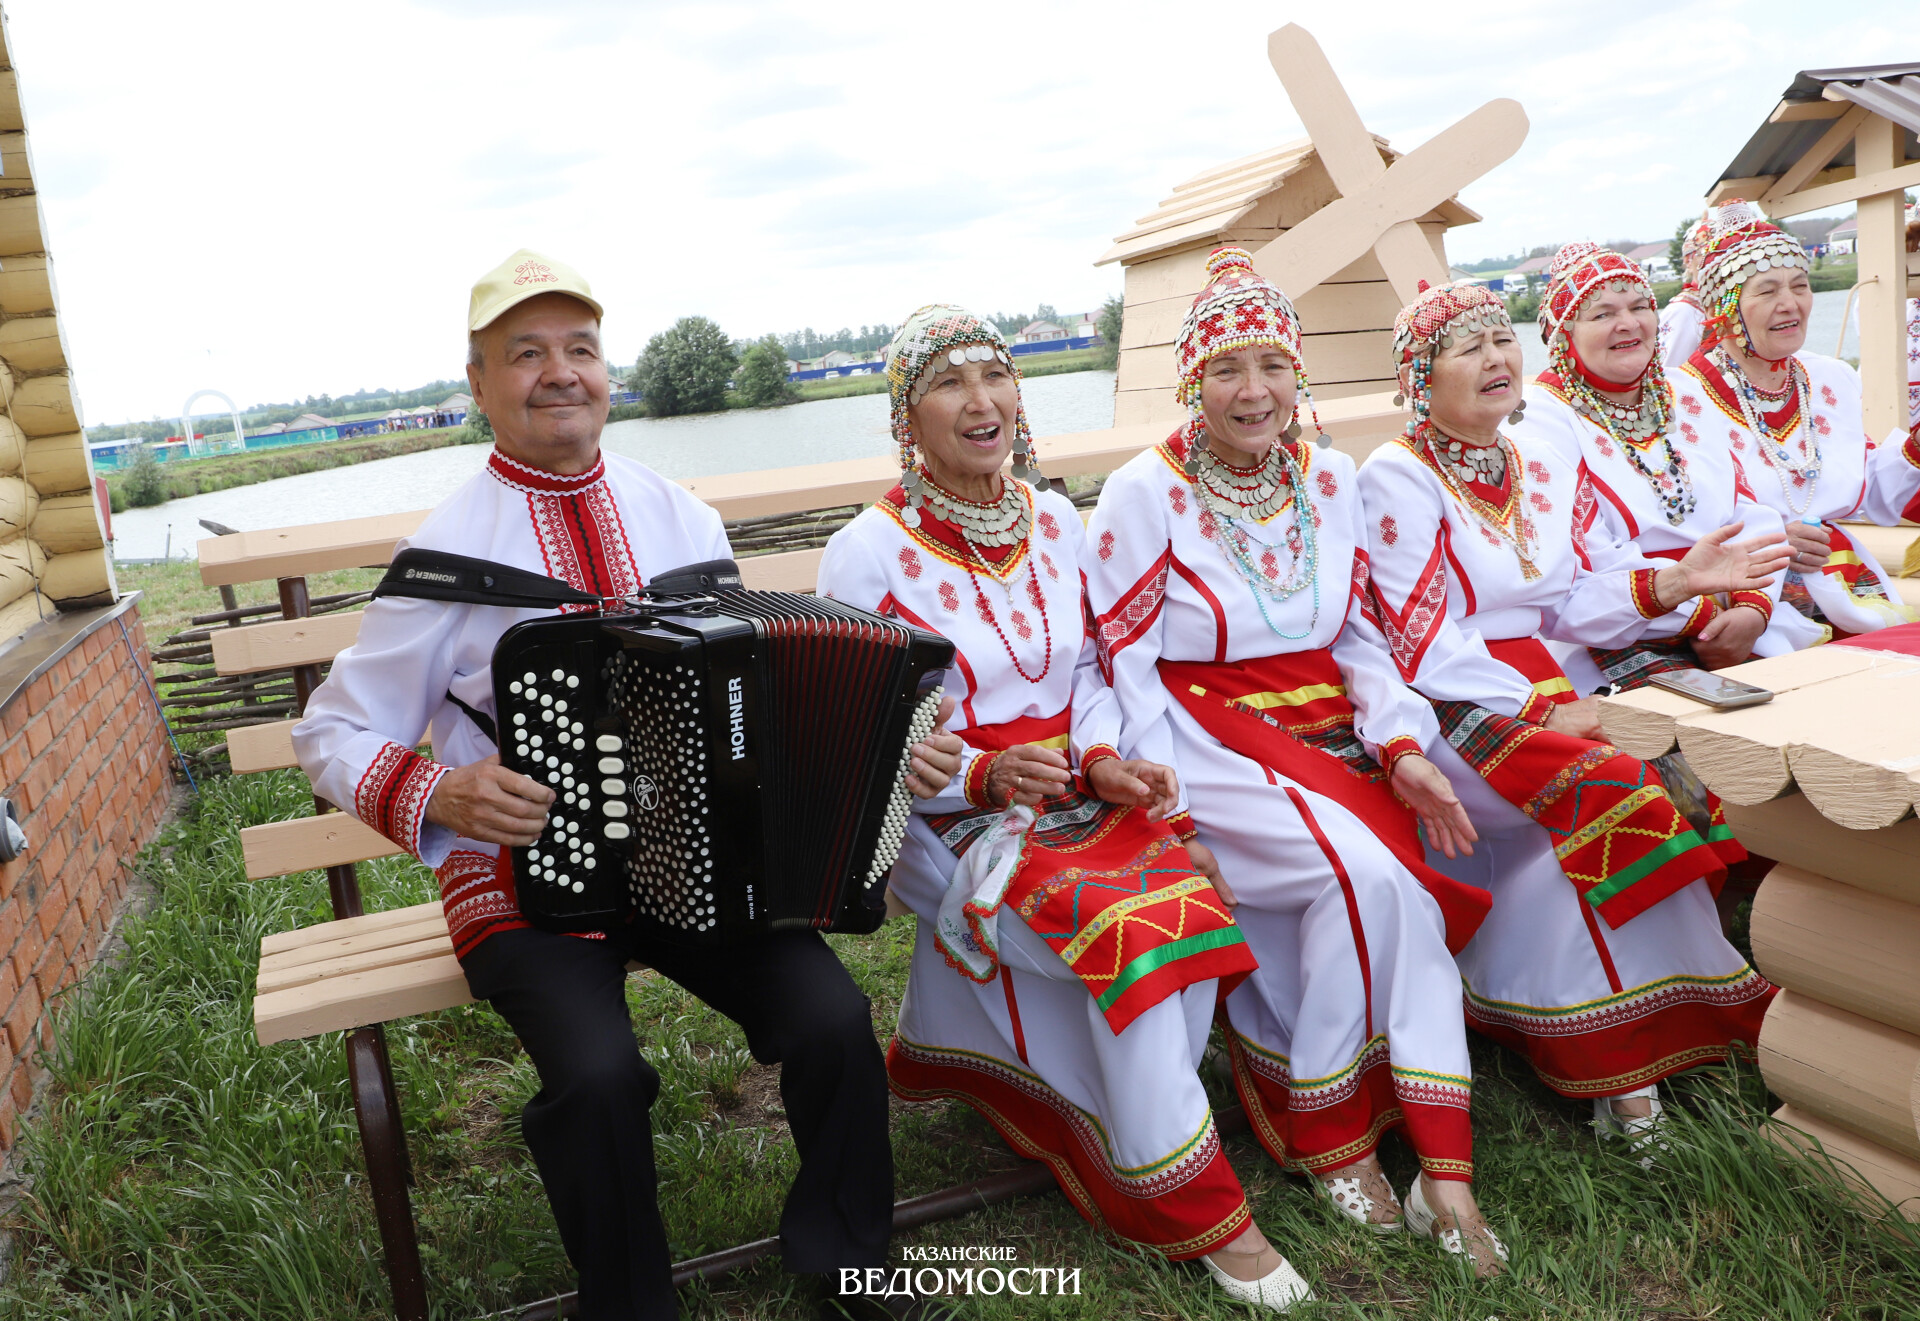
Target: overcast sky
column 277, row 200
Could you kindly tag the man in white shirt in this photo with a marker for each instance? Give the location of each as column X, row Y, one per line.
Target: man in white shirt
column 550, row 501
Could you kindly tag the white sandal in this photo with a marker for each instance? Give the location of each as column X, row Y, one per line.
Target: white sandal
column 1474, row 1240
column 1351, row 1196
column 1642, row 1132
column 1277, row 1290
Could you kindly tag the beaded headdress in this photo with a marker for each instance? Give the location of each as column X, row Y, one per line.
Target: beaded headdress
column 1239, row 309
column 1429, row 323
column 1578, row 271
column 1741, row 243
column 936, row 339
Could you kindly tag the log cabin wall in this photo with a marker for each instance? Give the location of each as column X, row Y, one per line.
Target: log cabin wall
column 1347, row 321
column 53, row 553
column 83, row 753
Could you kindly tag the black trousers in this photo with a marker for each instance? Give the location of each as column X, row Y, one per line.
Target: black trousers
column 588, row 1126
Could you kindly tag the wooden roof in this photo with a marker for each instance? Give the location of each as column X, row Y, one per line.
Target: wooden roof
column 1210, row 204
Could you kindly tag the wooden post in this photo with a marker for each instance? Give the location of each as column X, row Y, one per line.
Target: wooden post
column 1883, row 281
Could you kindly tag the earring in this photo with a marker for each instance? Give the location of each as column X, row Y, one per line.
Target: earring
column 1519, row 411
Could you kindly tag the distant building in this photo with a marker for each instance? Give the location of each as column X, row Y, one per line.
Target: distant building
column 1035, row 332
column 1842, row 237
column 1656, row 259
column 1532, row 266
column 836, row 359
column 456, row 403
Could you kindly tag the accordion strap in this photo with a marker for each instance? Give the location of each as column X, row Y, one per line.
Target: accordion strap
column 480, row 718
column 438, row 575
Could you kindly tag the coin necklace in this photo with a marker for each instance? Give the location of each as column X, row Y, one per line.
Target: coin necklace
column 1774, row 447
column 1509, row 521
column 1003, row 522
column 1635, row 429
column 1220, row 496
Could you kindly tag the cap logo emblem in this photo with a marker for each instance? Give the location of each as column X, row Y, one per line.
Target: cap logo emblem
column 534, row 272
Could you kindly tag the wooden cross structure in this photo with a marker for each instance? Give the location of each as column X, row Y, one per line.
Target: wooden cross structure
column 1342, row 222
column 1378, row 203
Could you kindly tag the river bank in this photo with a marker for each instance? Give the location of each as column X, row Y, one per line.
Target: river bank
column 221, row 472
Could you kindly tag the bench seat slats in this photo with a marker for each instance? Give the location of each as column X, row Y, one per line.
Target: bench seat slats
column 349, row 1000
column 321, row 932
column 261, row 747
column 284, row 643
column 332, row 840
column 360, row 944
column 430, row 945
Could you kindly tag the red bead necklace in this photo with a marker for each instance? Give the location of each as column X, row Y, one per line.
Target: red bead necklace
column 985, row 608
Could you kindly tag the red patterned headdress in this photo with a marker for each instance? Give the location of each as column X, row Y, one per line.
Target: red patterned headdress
column 1580, row 269
column 1692, row 248
column 1741, row 244
column 1238, row 309
column 1429, row 322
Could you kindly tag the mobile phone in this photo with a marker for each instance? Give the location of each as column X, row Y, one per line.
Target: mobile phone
column 1719, row 693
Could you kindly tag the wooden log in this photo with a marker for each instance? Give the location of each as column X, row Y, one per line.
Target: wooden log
column 43, row 405
column 32, row 343
column 19, row 504
column 282, row 847
column 80, row 577
column 1841, row 945
column 1645, row 722
column 1843, row 1068
column 68, row 523
column 283, row 645
column 13, row 448
column 1860, row 770
column 1867, row 1167
column 20, row 231
column 23, row 614
column 267, row 747
column 1792, row 830
column 26, row 281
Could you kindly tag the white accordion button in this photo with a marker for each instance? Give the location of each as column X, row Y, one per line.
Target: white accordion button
column 615, row 830
column 573, row 681
column 614, row 809
column 558, row 675
column 611, row 766
column 607, row 743
column 613, row 787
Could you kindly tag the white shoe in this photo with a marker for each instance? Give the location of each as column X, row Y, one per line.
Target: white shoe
column 1279, row 1289
column 1350, row 1196
column 1642, row 1132
column 1483, row 1249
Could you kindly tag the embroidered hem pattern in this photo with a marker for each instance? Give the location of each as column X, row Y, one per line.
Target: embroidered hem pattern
column 477, row 897
column 392, row 795
column 1616, row 1044
column 1119, row 900
column 1184, row 1205
column 1318, row 1125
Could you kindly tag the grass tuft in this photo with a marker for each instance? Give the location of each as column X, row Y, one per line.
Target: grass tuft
column 181, row 1170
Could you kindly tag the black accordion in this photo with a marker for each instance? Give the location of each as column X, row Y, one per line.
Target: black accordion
column 727, row 762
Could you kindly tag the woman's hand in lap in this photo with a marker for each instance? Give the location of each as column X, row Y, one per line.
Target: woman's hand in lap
column 1145, row 784
column 1421, row 786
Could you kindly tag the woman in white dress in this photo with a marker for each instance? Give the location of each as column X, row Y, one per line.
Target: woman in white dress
column 1659, row 482
column 1069, row 954
column 1228, row 581
column 1793, row 420
column 1602, row 960
column 1681, row 319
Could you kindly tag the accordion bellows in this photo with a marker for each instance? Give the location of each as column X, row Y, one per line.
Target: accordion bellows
column 726, row 765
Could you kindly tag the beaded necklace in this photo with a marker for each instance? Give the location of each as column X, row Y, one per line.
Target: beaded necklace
column 1509, row 521
column 1636, row 429
column 1218, row 497
column 1006, row 521
column 1771, row 444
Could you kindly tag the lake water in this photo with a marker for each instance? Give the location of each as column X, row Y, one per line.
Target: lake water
column 739, row 440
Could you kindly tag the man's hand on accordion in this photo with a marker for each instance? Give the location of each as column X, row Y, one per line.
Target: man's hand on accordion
column 488, row 802
column 1145, row 784
column 935, row 760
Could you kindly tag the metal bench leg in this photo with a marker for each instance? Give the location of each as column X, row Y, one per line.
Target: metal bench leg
column 376, row 1101
column 384, row 1142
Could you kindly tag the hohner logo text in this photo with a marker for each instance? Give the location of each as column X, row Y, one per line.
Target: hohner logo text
column 737, row 719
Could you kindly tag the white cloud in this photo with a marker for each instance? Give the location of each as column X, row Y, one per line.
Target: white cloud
column 275, row 200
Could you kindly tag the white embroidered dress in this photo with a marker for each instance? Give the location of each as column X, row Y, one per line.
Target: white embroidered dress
column 1634, row 510
column 1857, row 480
column 1597, row 1010
column 1353, row 1023
column 1681, row 325
column 1031, row 1047
column 607, row 531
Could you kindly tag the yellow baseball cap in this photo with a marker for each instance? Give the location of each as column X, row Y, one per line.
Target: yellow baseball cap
column 526, row 274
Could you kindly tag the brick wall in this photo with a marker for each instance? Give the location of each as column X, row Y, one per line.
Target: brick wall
column 85, row 759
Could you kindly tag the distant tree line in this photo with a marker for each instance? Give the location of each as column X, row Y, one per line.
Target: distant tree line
column 265, row 415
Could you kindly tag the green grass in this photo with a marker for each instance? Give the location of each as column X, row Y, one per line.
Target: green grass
column 222, row 472
column 181, row 1170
